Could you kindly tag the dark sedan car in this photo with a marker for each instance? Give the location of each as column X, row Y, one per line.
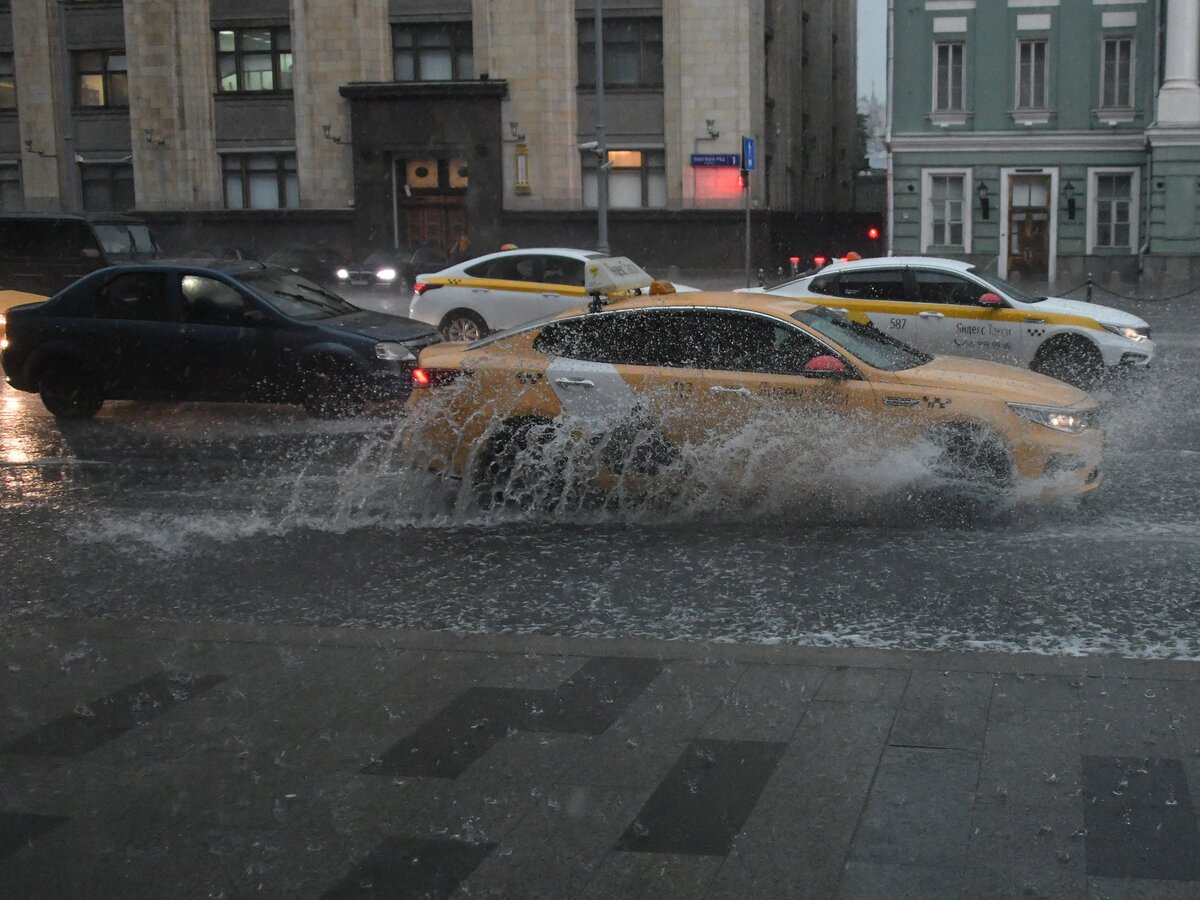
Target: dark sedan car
column 235, row 332
column 318, row 264
column 392, row 270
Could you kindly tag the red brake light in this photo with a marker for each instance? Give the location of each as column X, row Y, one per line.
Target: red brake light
column 420, row 376
column 819, row 260
column 423, row 378
column 420, row 287
column 794, row 260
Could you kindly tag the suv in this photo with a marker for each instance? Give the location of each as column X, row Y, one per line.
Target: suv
column 42, row 253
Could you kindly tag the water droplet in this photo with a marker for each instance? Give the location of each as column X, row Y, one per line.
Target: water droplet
column 1063, row 857
column 1051, row 778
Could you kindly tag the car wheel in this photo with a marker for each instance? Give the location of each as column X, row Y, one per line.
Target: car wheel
column 463, row 325
column 334, row 391
column 512, row 469
column 973, row 471
column 1073, row 359
column 68, row 392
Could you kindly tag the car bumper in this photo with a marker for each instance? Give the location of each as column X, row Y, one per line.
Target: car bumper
column 1054, row 465
column 1120, row 352
column 392, row 381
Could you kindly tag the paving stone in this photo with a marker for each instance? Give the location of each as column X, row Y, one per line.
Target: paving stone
column 766, row 705
column 1030, row 757
column 706, row 677
column 651, row 876
column 528, row 758
column 1020, row 850
column 795, row 841
column 557, row 847
column 1056, row 692
column 888, row 881
column 1141, row 889
column 919, row 810
column 947, row 710
column 532, row 671
column 411, row 867
column 844, row 685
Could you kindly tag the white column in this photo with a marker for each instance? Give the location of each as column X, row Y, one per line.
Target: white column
column 1179, row 96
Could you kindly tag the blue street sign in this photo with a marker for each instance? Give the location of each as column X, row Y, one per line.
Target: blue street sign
column 715, row 159
column 748, row 153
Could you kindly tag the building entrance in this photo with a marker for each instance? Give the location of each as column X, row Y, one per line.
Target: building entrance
column 1029, row 226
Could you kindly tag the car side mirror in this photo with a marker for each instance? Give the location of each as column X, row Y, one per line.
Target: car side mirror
column 826, row 367
column 990, row 299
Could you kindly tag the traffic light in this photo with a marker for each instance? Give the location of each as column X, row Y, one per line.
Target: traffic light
column 873, row 233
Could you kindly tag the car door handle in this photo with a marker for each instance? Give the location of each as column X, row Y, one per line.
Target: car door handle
column 479, row 290
column 1033, row 321
column 740, row 391
column 574, row 382
column 932, row 315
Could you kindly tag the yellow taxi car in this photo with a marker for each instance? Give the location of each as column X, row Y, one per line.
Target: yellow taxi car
column 696, row 365
column 9, row 299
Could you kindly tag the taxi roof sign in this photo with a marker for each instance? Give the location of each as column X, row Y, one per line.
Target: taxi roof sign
column 614, row 275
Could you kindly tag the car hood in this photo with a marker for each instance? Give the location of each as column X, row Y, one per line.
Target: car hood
column 380, row 326
column 1007, row 383
column 1105, row 314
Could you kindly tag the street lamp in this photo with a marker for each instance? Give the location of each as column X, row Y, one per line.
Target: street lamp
column 985, row 205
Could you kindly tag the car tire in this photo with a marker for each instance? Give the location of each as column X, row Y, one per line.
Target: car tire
column 973, row 471
column 68, row 391
column 333, row 391
column 1072, row 359
column 496, row 478
column 462, row 325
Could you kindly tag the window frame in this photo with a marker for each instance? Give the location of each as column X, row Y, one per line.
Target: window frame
column 1130, row 87
column 927, row 224
column 961, row 106
column 11, row 77
column 282, row 173
column 1093, row 203
column 104, row 73
column 1044, row 100
column 589, row 168
column 238, row 54
column 10, row 174
column 649, row 76
column 115, row 169
column 458, row 28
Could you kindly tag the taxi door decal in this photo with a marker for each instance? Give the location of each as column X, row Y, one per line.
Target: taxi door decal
column 590, row 390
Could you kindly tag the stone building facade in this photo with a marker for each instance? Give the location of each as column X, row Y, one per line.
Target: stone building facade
column 369, row 123
column 1048, row 140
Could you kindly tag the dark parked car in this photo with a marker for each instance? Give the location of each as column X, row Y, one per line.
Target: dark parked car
column 319, row 264
column 392, row 269
column 234, row 332
column 42, row 253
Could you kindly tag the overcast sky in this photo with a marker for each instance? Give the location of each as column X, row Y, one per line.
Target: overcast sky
column 872, row 47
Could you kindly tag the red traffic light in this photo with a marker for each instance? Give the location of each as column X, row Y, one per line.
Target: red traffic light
column 819, row 261
column 873, row 233
column 794, row 260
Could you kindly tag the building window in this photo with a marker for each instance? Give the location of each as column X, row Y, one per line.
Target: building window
column 1113, row 212
column 1117, row 83
column 8, row 82
column 637, row 179
column 440, row 52
column 254, row 59
column 633, row 52
column 12, row 198
column 946, row 222
column 261, row 181
column 1031, row 75
column 107, row 187
column 101, row 79
column 948, row 94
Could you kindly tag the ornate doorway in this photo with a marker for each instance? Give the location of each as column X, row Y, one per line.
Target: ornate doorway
column 1029, row 226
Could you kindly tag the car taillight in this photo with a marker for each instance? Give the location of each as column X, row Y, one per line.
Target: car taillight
column 424, row 378
column 421, row 287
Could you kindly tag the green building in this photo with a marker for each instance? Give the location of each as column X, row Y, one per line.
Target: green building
column 1048, row 139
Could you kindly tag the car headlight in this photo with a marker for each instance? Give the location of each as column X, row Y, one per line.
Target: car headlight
column 343, row 274
column 386, row 274
column 394, row 352
column 1071, row 421
column 1127, row 331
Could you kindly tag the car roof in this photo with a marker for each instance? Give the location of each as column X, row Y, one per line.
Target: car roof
column 525, row 251
column 760, row 303
column 232, row 267
column 888, row 262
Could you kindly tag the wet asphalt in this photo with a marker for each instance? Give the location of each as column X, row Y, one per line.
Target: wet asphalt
column 207, row 512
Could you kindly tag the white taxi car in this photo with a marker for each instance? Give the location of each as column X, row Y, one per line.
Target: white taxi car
column 951, row 307
column 502, row 290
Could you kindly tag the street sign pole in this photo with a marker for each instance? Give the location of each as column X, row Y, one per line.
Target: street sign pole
column 601, row 139
column 748, row 162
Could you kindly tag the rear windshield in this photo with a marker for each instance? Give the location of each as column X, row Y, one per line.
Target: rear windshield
column 127, row 241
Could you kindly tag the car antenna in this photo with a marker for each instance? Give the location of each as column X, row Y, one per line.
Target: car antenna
column 597, row 302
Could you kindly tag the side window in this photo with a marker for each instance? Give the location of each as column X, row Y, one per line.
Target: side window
column 743, row 343
column 872, row 284
column 138, row 295
column 510, row 268
column 945, row 287
column 824, row 284
column 563, row 270
column 207, row 301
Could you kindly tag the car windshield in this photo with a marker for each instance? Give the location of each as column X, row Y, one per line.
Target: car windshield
column 1007, row 288
column 127, row 241
column 876, row 349
column 297, row 297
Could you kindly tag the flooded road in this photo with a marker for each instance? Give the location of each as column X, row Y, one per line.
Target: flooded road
column 259, row 514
